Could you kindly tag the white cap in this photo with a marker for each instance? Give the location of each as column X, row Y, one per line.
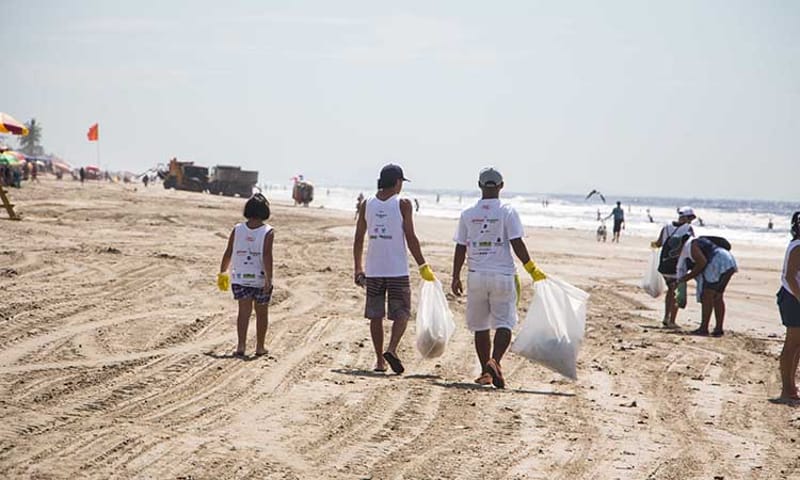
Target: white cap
column 686, row 212
column 489, row 177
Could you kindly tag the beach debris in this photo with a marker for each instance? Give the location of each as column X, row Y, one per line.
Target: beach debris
column 8, row 272
column 110, row 250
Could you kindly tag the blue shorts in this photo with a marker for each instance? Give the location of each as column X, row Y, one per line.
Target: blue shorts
column 240, row 292
column 789, row 308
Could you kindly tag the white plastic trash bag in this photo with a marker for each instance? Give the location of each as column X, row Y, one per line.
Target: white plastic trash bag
column 435, row 323
column 652, row 281
column 553, row 330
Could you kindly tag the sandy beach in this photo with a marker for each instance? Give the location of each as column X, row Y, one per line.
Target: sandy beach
column 115, row 359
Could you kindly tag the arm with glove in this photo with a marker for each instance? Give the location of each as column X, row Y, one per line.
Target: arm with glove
column 223, row 279
column 521, row 251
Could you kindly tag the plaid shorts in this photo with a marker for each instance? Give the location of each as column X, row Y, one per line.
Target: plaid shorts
column 241, row 292
column 396, row 291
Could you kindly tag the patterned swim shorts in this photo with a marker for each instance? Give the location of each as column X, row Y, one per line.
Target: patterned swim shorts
column 396, row 291
column 241, row 292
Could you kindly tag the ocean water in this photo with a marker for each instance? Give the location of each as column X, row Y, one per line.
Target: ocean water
column 737, row 220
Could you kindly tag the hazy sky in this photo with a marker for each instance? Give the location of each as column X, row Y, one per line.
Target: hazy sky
column 671, row 98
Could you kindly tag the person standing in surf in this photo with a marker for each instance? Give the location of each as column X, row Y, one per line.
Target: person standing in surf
column 388, row 220
column 619, row 221
column 487, row 232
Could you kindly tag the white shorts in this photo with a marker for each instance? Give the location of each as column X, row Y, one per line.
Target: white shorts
column 491, row 301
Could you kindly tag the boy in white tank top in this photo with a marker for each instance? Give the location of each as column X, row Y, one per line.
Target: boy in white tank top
column 250, row 250
column 486, row 234
column 388, row 221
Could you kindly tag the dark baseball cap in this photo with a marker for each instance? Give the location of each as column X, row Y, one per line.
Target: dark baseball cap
column 390, row 174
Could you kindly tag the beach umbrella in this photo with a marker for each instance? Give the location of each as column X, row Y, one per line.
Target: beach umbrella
column 10, row 160
column 9, row 124
column 61, row 166
column 19, row 156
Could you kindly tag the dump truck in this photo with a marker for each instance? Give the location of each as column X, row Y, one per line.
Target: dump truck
column 219, row 180
column 227, row 180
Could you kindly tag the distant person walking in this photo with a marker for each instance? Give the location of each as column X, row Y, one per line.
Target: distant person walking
column 712, row 266
column 82, row 174
column 619, row 221
column 486, row 234
column 250, row 249
column 670, row 241
column 388, row 220
column 789, row 307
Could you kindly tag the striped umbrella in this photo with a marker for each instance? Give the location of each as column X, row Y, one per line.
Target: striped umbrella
column 8, row 159
column 9, row 124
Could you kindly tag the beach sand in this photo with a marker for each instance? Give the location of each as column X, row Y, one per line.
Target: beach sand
column 115, row 359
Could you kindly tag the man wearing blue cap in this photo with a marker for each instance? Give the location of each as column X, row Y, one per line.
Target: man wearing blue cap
column 389, row 222
column 487, row 232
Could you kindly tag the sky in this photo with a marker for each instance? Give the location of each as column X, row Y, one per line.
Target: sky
column 678, row 98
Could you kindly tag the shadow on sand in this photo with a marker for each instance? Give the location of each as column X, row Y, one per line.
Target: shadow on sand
column 233, row 356
column 488, row 388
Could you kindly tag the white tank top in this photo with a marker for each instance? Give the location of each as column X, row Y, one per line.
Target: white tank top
column 248, row 247
column 792, row 245
column 386, row 251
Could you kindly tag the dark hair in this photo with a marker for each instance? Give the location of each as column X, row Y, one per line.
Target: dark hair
column 384, row 183
column 257, row 206
column 796, row 225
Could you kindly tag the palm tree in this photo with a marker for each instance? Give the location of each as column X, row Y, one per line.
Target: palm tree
column 29, row 144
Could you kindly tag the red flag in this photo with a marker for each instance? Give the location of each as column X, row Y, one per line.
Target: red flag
column 94, row 133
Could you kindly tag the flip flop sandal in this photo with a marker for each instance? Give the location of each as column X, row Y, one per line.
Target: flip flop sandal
column 379, row 370
column 700, row 332
column 497, row 377
column 394, row 362
column 717, row 333
column 484, row 379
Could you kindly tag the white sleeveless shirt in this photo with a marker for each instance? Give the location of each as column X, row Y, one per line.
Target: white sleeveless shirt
column 248, row 248
column 386, row 251
column 792, row 245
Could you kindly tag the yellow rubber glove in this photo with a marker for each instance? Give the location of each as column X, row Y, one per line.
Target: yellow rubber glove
column 223, row 282
column 653, row 244
column 534, row 271
column 517, row 287
column 426, row 273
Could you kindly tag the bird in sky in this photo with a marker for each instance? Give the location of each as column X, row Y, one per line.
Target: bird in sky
column 593, row 192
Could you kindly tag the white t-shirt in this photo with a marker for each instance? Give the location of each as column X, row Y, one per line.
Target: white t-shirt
column 677, row 231
column 486, row 229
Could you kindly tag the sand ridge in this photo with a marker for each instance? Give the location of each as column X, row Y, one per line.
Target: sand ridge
column 115, row 360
